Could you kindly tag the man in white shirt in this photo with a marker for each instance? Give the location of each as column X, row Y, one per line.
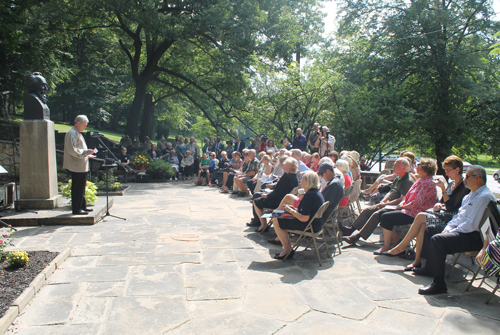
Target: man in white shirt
column 461, row 234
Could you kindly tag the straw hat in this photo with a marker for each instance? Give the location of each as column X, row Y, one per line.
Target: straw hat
column 354, row 155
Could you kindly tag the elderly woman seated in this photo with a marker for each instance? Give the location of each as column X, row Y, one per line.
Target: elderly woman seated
column 343, row 166
column 443, row 210
column 421, row 196
column 308, row 206
column 235, row 166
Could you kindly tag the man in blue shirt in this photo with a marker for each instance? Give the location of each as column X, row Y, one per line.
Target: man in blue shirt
column 461, row 234
column 300, row 141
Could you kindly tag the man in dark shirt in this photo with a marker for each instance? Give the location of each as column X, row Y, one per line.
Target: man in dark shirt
column 284, row 186
column 368, row 220
column 239, row 145
column 362, row 164
column 124, row 160
column 300, row 141
column 333, row 191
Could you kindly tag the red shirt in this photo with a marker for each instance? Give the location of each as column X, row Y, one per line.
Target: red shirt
column 348, row 182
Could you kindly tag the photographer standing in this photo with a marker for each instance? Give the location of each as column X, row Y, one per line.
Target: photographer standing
column 325, row 141
column 313, row 137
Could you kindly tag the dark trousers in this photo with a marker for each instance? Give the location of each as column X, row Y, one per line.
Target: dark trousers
column 78, row 182
column 437, row 245
column 368, row 220
column 196, row 166
column 186, row 170
column 395, row 218
column 251, row 185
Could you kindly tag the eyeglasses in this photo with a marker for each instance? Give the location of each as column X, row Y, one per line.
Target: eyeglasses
column 470, row 175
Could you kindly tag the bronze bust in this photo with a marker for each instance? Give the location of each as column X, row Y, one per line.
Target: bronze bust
column 35, row 102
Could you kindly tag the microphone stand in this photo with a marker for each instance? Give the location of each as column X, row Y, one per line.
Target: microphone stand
column 107, row 180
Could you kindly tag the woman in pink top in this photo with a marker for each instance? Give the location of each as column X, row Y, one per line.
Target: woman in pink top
column 421, row 196
column 343, row 167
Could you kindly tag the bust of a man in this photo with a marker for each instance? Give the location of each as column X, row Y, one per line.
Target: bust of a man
column 35, row 102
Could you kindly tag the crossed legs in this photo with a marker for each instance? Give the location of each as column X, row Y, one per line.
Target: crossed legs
column 417, row 230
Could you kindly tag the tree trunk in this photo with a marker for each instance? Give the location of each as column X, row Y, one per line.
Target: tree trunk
column 141, row 85
column 147, row 117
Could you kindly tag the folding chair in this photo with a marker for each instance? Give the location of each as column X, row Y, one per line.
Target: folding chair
column 354, row 197
column 491, row 216
column 332, row 222
column 309, row 232
column 344, row 212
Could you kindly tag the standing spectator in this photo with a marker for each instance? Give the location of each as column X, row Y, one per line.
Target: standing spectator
column 76, row 160
column 186, row 167
column 229, row 149
column 181, row 149
column 162, row 144
column 218, row 147
column 362, row 164
column 239, row 145
column 313, row 137
column 300, row 141
column 195, row 153
column 325, row 141
column 206, row 147
column 176, row 141
column 258, row 144
column 263, row 144
column 271, row 146
column 147, row 143
column 137, row 142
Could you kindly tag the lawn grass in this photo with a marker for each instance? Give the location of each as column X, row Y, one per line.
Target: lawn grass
column 487, row 162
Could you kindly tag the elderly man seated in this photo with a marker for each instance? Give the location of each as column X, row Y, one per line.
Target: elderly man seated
column 248, row 174
column 368, row 220
column 461, row 234
column 297, row 154
column 285, row 185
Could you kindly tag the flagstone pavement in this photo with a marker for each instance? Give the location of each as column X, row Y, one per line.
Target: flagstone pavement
column 185, row 263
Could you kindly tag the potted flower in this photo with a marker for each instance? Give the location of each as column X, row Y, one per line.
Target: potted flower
column 141, row 162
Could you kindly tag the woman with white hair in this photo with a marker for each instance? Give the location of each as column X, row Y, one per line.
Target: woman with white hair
column 308, row 206
column 343, row 166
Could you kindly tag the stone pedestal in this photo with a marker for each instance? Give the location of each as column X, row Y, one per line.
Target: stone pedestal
column 38, row 168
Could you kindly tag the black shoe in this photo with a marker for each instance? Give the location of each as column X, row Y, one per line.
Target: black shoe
column 346, row 231
column 274, row 241
column 277, row 256
column 433, row 288
column 412, row 268
column 422, row 272
column 386, row 253
column 253, row 224
column 265, row 230
column 351, row 239
column 242, row 194
column 88, row 210
column 81, row 213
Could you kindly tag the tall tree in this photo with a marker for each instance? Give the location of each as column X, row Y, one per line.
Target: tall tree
column 434, row 50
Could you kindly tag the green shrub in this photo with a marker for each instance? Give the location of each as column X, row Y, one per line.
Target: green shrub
column 159, row 169
column 90, row 192
column 18, row 258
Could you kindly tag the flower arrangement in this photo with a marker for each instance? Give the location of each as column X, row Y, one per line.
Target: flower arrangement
column 141, row 161
column 18, row 258
column 5, row 241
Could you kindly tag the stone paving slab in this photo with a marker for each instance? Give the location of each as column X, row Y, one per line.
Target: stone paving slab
column 184, row 262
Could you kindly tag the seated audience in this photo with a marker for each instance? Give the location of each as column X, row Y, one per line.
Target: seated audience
column 489, row 257
column 443, row 211
column 174, row 161
column 162, row 144
column 461, row 234
column 354, row 166
column 147, row 143
column 248, row 174
column 369, row 218
column 203, row 171
column 315, row 162
column 343, row 166
column 308, row 206
column 421, row 196
column 187, row 166
column 235, row 166
column 362, row 164
column 285, row 185
column 265, row 169
column 153, row 153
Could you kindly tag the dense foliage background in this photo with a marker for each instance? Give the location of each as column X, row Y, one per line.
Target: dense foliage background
column 396, row 74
